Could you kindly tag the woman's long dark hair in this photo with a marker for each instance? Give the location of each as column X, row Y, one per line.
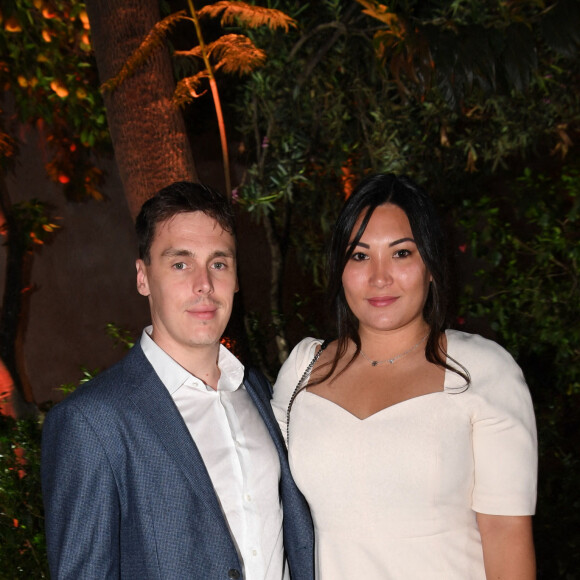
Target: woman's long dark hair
column 374, row 191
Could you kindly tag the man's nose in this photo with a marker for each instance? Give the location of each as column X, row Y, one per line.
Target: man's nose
column 202, row 283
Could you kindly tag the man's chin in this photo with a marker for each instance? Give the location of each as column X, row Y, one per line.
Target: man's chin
column 205, row 339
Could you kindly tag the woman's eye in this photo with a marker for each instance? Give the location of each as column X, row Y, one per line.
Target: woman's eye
column 359, row 256
column 402, row 253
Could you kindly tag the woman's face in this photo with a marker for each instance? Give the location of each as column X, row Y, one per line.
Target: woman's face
column 385, row 280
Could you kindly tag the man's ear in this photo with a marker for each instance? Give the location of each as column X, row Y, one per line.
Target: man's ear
column 142, row 282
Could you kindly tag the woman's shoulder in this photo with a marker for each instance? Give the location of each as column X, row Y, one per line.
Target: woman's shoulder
column 305, row 349
column 475, row 351
column 292, row 371
column 299, row 359
column 493, row 372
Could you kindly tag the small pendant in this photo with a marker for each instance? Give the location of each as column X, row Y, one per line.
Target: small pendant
column 375, row 363
column 391, row 361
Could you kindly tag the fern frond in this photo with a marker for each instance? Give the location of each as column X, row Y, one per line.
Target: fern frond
column 246, row 15
column 7, row 145
column 194, row 52
column 153, row 40
column 380, row 12
column 187, row 89
column 236, row 53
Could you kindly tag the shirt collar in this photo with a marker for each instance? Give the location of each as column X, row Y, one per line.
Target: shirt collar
column 173, row 375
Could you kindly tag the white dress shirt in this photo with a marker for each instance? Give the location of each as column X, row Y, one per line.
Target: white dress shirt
column 238, row 453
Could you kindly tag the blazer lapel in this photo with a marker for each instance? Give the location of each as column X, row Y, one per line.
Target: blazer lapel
column 259, row 391
column 155, row 403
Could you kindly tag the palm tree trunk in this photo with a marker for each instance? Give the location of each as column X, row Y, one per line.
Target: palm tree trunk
column 148, row 132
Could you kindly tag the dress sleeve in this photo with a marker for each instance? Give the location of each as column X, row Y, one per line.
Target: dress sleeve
column 289, row 375
column 504, row 435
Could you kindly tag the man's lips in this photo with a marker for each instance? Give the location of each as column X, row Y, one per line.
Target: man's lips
column 380, row 301
column 203, row 312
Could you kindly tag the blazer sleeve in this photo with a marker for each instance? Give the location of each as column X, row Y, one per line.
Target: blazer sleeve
column 80, row 499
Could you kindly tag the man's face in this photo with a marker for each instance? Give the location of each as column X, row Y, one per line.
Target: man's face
column 190, row 282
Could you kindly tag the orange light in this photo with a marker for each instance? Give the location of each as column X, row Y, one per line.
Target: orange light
column 84, row 18
column 12, row 25
column 59, row 89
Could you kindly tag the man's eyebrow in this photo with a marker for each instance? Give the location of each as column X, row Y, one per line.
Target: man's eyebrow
column 178, row 253
column 223, row 254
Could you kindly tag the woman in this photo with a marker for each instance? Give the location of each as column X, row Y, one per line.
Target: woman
column 415, row 446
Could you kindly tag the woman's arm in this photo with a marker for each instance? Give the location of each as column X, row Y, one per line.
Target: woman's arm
column 508, row 547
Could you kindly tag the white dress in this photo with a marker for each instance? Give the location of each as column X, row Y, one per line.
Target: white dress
column 394, row 496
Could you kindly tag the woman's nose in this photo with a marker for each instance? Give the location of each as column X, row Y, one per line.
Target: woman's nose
column 381, row 274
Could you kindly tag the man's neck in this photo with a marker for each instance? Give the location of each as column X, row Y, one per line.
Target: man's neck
column 201, row 361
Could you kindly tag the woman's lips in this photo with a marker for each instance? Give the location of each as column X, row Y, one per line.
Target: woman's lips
column 380, row 301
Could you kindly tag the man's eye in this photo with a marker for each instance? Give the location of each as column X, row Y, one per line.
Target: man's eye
column 218, row 266
column 179, row 266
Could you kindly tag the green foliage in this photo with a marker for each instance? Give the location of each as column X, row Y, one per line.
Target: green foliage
column 48, row 69
column 328, row 107
column 526, row 241
column 298, row 116
column 22, row 544
column 459, row 48
column 120, row 336
column 87, row 375
column 32, row 224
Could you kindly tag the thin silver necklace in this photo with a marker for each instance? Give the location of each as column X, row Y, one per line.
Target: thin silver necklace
column 376, row 363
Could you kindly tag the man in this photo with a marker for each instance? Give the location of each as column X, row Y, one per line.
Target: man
column 170, row 465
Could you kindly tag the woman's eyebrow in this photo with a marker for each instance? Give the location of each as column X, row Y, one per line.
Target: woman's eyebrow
column 401, row 241
column 363, row 245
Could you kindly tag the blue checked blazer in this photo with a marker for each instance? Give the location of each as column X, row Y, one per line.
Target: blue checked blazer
column 126, row 492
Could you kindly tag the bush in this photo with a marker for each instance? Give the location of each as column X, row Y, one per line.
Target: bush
column 22, row 543
column 527, row 242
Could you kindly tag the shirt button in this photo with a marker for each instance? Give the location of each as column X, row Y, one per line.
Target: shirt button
column 233, row 573
column 254, row 552
column 248, row 497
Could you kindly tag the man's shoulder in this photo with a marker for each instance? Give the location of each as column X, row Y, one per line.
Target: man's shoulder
column 113, row 382
column 255, row 378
